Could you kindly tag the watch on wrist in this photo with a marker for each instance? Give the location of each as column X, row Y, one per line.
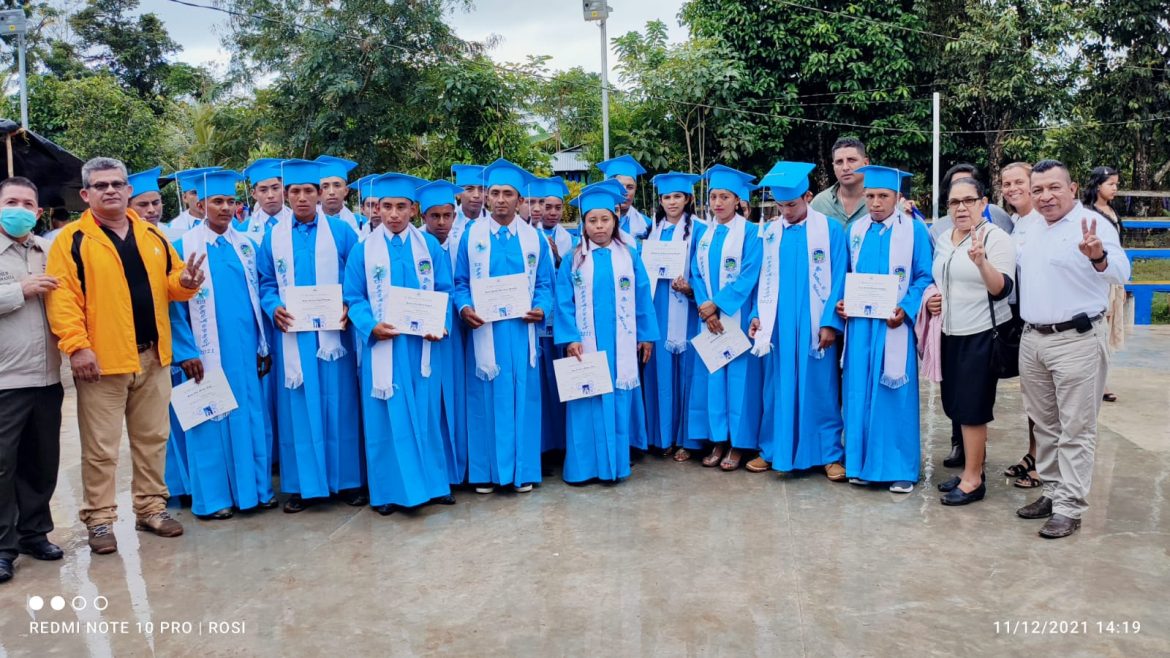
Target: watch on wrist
column 1098, row 261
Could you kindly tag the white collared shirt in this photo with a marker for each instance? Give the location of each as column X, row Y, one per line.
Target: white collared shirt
column 1056, row 280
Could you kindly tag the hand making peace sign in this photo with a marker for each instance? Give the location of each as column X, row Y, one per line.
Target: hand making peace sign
column 192, row 276
column 976, row 251
column 1090, row 244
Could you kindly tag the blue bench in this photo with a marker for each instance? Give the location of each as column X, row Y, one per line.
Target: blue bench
column 1143, row 298
column 1148, row 253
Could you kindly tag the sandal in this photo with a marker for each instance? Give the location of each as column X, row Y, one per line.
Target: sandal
column 681, row 455
column 1028, row 463
column 731, row 461
column 1029, row 481
column 715, row 457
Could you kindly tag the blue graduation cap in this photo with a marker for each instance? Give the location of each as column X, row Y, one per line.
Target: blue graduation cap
column 365, row 186
column 886, row 178
column 467, row 175
column 606, row 195
column 147, row 181
column 787, row 180
column 398, row 186
column 217, row 183
column 262, row 170
column 502, row 172
column 675, row 181
column 300, row 172
column 186, row 178
column 335, row 167
column 546, row 187
column 623, row 165
column 438, row 193
column 721, row 177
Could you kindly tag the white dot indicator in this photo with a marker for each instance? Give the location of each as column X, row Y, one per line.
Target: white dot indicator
column 35, row 603
column 57, row 603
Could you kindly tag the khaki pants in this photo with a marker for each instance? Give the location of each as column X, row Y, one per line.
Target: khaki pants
column 143, row 399
column 1062, row 377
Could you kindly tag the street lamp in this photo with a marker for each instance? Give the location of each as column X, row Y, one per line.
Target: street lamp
column 597, row 10
column 12, row 23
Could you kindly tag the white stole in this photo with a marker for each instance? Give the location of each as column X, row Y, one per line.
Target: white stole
column 624, row 295
column 636, row 223
column 820, row 280
column 329, row 346
column 479, row 257
column 378, row 271
column 202, row 306
column 730, row 259
column 346, row 215
column 560, row 238
column 678, row 307
column 258, row 221
column 901, row 260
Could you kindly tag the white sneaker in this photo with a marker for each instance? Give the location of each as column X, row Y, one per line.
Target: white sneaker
column 902, row 487
column 485, row 490
column 523, row 489
column 858, row 481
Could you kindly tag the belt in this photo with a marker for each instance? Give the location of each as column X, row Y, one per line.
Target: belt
column 1061, row 326
column 142, row 347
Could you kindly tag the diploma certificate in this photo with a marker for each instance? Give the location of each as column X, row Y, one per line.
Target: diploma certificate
column 871, row 295
column 583, row 379
column 664, row 259
column 718, row 350
column 197, row 403
column 501, row 297
column 417, row 312
column 314, row 308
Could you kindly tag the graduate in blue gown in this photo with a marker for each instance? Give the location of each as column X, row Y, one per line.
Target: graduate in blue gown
column 666, row 380
column 795, row 327
column 724, row 406
column 318, row 419
column 335, row 190
column 472, row 202
column 503, row 382
column 603, row 305
column 367, row 202
column 406, row 453
column 437, row 203
column 625, row 170
column 546, row 197
column 267, row 192
column 223, row 327
column 882, row 442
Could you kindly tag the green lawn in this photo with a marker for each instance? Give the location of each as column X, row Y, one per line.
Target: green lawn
column 1155, row 270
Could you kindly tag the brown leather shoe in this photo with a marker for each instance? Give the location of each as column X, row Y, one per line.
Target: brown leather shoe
column 161, row 524
column 1041, row 508
column 1059, row 526
column 758, row 465
column 835, row 472
column 102, row 540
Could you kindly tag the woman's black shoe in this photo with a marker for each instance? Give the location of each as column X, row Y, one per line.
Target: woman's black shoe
column 957, row 496
column 949, row 485
column 444, row 500
column 957, row 458
column 295, row 504
column 221, row 515
column 387, row 509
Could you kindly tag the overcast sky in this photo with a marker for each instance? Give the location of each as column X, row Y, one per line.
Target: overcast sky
column 525, row 27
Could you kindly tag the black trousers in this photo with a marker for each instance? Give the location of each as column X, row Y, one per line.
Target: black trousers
column 30, row 453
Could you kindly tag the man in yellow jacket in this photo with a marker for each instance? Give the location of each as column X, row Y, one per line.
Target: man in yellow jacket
column 117, row 274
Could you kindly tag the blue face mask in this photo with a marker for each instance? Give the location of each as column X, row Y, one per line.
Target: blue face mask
column 17, row 221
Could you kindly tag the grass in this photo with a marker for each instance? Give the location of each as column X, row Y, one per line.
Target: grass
column 1151, row 269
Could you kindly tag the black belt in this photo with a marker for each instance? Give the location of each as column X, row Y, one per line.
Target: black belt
column 1061, row 326
column 142, row 347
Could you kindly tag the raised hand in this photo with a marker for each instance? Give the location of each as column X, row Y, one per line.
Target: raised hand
column 976, row 252
column 192, row 276
column 1090, row 244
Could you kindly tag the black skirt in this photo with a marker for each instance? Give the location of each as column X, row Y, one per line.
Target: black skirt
column 968, row 385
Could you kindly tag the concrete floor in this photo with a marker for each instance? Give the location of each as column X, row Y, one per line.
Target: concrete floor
column 680, row 560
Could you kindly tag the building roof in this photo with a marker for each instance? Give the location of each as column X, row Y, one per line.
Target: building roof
column 569, row 160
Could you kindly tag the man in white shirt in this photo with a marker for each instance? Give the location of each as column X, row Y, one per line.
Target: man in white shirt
column 1067, row 263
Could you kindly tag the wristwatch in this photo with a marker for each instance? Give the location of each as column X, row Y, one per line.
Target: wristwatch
column 1098, row 261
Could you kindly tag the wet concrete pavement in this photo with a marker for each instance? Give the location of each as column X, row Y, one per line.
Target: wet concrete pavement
column 679, row 560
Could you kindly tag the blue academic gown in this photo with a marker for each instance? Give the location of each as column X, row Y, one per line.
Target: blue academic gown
column 504, row 414
column 229, row 460
column 318, row 425
column 447, row 357
column 552, row 424
column 600, row 430
column 176, row 473
column 666, row 379
column 725, row 405
column 802, row 426
column 882, row 441
column 406, row 459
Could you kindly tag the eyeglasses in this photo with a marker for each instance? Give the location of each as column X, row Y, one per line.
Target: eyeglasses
column 108, row 185
column 954, row 204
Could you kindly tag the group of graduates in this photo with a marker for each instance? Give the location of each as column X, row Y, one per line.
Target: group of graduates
column 372, row 415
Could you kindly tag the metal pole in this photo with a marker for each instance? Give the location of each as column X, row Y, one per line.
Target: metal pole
column 23, row 82
column 937, row 148
column 604, row 93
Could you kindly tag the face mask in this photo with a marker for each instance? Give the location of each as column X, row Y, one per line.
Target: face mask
column 17, row 221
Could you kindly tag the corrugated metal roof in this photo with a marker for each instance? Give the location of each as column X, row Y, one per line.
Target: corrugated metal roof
column 569, row 160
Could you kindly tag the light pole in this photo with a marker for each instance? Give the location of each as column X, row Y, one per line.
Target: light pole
column 597, row 10
column 12, row 23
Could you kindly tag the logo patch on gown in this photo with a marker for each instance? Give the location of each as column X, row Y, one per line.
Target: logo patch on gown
column 900, row 272
column 246, row 249
column 730, row 264
column 624, row 283
column 424, row 266
column 530, row 260
column 818, row 255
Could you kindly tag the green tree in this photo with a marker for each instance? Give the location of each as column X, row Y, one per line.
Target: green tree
column 134, row 48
